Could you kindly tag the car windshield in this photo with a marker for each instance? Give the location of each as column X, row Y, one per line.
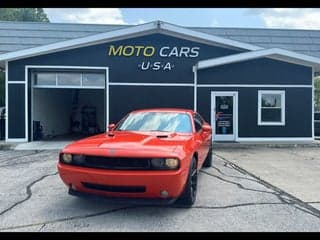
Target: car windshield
column 157, row 121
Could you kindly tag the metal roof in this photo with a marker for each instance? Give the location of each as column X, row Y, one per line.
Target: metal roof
column 300, row 41
column 16, row 36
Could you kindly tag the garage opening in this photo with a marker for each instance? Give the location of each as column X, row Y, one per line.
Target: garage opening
column 67, row 105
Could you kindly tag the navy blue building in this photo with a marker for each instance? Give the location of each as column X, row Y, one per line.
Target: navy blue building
column 246, row 92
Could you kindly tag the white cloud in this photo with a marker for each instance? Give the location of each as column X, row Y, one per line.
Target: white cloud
column 85, row 15
column 298, row 18
column 141, row 21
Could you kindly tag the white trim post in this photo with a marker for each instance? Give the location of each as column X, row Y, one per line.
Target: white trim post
column 313, row 103
column 107, row 98
column 26, row 102
column 195, row 94
column 7, row 102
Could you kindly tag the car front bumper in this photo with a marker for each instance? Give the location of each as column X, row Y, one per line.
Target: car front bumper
column 124, row 183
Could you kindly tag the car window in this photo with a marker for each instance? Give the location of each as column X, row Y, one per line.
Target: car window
column 199, row 118
column 157, row 121
column 197, row 122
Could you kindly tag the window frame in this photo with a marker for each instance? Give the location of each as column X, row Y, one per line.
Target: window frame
column 58, row 84
column 282, row 97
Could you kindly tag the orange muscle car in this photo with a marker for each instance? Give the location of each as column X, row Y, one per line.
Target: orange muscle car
column 149, row 154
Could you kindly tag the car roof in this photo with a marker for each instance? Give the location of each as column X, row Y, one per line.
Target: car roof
column 179, row 110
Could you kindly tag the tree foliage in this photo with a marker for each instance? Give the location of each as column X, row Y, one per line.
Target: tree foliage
column 23, row 14
column 18, row 14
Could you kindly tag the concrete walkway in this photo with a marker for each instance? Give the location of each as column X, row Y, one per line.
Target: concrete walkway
column 42, row 145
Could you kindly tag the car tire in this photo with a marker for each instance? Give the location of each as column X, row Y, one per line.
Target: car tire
column 188, row 197
column 208, row 161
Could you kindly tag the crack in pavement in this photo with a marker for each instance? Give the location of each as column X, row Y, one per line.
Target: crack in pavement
column 42, row 227
column 233, row 176
column 279, row 193
column 28, row 191
column 235, row 183
column 72, row 218
column 138, row 206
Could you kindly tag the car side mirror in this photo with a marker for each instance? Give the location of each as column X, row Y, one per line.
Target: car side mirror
column 111, row 126
column 206, row 128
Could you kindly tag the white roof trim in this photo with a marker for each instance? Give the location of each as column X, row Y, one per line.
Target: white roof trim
column 114, row 34
column 275, row 53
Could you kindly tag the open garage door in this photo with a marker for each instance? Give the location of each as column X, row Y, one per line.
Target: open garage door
column 67, row 105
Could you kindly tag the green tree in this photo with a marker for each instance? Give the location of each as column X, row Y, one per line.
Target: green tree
column 317, row 94
column 23, row 14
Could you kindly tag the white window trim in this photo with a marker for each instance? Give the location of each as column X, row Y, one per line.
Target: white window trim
column 26, row 82
column 282, row 93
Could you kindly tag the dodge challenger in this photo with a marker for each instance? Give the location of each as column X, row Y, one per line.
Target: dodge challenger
column 149, row 154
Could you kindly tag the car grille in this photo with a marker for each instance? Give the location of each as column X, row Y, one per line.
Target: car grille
column 108, row 188
column 115, row 163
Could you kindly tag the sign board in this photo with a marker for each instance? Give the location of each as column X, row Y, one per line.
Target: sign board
column 148, row 51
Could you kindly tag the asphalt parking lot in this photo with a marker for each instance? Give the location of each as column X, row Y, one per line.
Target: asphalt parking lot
column 233, row 195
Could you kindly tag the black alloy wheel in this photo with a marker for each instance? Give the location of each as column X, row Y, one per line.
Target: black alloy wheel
column 188, row 197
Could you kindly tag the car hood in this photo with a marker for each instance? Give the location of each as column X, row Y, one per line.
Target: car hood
column 130, row 143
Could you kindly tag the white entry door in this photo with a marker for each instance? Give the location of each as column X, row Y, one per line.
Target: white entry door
column 224, row 116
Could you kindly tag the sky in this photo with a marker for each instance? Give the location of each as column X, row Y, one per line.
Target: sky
column 291, row 18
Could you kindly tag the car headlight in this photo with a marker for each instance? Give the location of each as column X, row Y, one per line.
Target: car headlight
column 172, row 163
column 164, row 163
column 66, row 157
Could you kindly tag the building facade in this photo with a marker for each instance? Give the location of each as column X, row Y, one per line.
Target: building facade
column 247, row 92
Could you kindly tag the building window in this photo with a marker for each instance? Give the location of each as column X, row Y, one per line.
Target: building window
column 69, row 79
column 45, row 79
column 271, row 108
column 93, row 79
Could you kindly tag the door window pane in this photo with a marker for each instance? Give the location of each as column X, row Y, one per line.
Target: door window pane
column 70, row 79
column 224, row 114
column 45, row 79
column 93, row 79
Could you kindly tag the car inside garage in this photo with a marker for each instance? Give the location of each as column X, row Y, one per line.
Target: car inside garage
column 67, row 105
